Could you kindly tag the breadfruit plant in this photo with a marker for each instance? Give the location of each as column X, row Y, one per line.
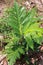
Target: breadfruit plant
column 26, row 31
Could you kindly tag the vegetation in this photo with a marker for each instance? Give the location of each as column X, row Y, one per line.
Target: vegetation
column 22, row 32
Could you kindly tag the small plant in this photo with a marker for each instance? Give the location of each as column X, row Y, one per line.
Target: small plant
column 25, row 32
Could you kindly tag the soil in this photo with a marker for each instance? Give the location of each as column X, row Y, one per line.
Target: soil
column 35, row 57
column 2, row 6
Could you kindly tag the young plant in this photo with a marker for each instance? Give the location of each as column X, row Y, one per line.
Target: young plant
column 26, row 31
